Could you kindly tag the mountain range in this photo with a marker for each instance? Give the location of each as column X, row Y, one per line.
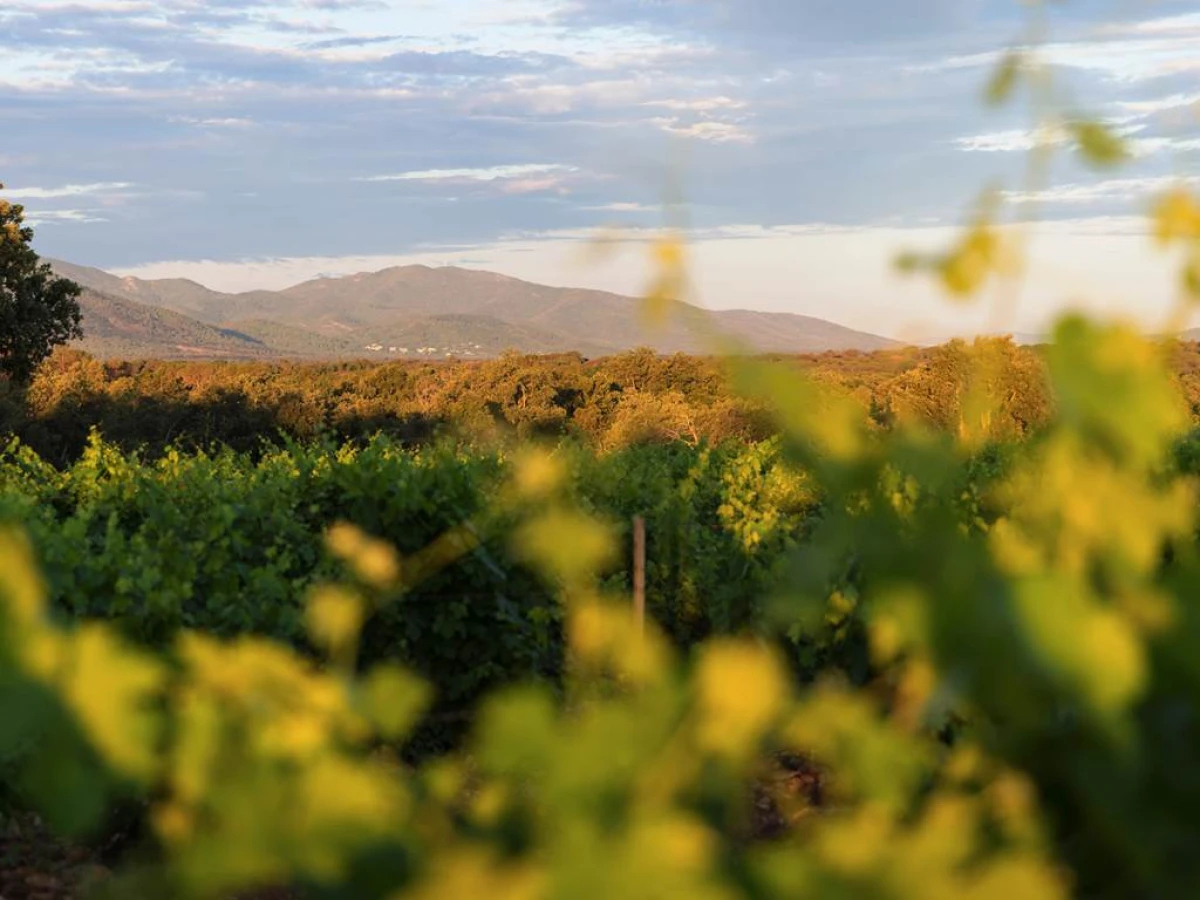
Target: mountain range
column 410, row 312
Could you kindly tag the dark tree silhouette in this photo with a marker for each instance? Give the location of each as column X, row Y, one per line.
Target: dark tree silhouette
column 38, row 310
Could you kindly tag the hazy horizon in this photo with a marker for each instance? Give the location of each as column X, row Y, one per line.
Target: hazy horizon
column 1062, row 275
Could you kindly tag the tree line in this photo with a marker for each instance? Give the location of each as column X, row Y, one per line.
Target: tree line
column 630, row 398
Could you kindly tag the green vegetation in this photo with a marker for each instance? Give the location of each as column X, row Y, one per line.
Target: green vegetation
column 131, row 330
column 920, row 624
column 229, row 545
column 612, row 402
column 38, row 310
column 985, row 677
column 623, row 400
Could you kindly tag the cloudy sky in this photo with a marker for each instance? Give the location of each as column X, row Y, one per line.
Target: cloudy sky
column 249, row 143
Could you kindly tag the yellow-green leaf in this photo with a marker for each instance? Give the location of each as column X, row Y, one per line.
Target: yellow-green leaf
column 1098, row 145
column 567, row 546
column 1177, row 217
column 1004, row 80
column 742, row 688
column 334, row 617
column 112, row 689
column 1191, row 277
column 392, row 699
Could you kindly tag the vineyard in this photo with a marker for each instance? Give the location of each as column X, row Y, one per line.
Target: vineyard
column 918, row 624
column 229, row 545
column 935, row 663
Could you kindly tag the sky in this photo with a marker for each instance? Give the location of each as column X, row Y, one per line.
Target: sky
column 258, row 143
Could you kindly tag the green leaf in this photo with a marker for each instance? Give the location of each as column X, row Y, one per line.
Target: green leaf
column 1191, row 277
column 909, row 262
column 1112, row 385
column 1098, row 145
column 1004, row 80
column 1176, row 217
column 1090, row 651
column 393, row 699
column 517, row 730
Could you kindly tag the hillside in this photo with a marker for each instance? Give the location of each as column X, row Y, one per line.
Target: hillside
column 463, row 334
column 118, row 327
column 177, row 294
column 291, row 341
column 453, row 311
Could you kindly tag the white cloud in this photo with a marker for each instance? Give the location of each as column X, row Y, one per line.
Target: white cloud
column 66, row 190
column 1021, row 141
column 707, row 104
column 48, row 217
column 715, row 132
column 623, row 207
column 227, row 122
column 1130, row 61
column 1014, row 141
column 491, row 173
column 775, row 137
column 1151, row 146
column 1029, row 139
column 1118, row 189
column 533, row 185
column 1142, row 108
column 1141, row 57
column 1188, row 23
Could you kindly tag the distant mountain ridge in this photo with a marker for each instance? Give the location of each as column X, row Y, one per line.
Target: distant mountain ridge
column 411, row 311
column 117, row 327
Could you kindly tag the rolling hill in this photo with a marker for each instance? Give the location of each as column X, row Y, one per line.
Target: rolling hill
column 116, row 327
column 419, row 310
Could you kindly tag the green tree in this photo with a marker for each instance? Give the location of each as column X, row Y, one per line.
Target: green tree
column 38, row 310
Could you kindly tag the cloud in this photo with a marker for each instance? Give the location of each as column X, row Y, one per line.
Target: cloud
column 1122, row 189
column 621, row 206
column 1129, row 53
column 1154, row 145
column 717, row 132
column 701, row 105
column 57, row 216
column 1013, row 141
column 1186, row 24
column 507, row 180
column 527, row 119
column 490, row 173
column 534, row 186
column 1020, row 140
column 216, row 122
column 1153, row 106
column 66, row 190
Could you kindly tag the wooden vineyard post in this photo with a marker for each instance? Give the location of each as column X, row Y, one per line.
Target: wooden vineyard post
column 639, row 574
